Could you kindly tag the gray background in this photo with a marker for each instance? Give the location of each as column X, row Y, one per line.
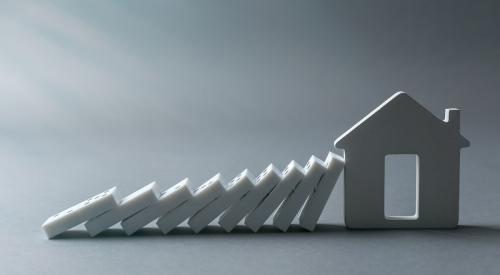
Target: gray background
column 104, row 93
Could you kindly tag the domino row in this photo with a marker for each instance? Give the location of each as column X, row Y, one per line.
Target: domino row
column 244, row 198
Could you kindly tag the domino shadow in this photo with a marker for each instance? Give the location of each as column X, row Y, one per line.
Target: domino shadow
column 462, row 233
column 209, row 230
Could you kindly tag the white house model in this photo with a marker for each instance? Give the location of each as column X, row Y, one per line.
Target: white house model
column 401, row 125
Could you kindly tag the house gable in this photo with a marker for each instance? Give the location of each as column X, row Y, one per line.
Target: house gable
column 400, row 116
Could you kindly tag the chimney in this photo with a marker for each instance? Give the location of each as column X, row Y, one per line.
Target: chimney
column 452, row 117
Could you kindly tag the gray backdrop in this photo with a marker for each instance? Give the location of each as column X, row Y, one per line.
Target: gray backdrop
column 103, row 93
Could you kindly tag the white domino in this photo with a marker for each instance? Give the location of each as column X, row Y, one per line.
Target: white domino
column 292, row 175
column 80, row 213
column 128, row 206
column 203, row 195
column 169, row 199
column 291, row 206
column 317, row 200
column 265, row 183
column 235, row 190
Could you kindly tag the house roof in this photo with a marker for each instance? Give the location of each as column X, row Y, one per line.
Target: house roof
column 399, row 98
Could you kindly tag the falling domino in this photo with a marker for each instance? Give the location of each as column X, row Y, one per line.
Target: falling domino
column 265, row 183
column 169, row 199
column 203, row 195
column 317, row 200
column 236, row 189
column 244, row 196
column 291, row 206
column 128, row 206
column 80, row 213
column 292, row 175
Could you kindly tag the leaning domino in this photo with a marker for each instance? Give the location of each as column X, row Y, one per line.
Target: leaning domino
column 291, row 206
column 169, row 199
column 292, row 175
column 128, row 206
column 265, row 183
column 203, row 195
column 317, row 200
column 79, row 213
column 236, row 189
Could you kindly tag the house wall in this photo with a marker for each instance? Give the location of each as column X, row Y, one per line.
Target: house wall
column 438, row 188
column 363, row 190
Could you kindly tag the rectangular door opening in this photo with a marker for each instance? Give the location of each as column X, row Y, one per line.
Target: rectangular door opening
column 401, row 187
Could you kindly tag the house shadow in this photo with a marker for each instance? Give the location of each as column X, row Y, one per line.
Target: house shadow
column 323, row 230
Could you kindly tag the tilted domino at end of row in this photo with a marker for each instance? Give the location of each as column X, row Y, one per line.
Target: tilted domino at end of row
column 80, row 213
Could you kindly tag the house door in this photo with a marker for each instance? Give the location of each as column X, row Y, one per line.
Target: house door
column 401, row 187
